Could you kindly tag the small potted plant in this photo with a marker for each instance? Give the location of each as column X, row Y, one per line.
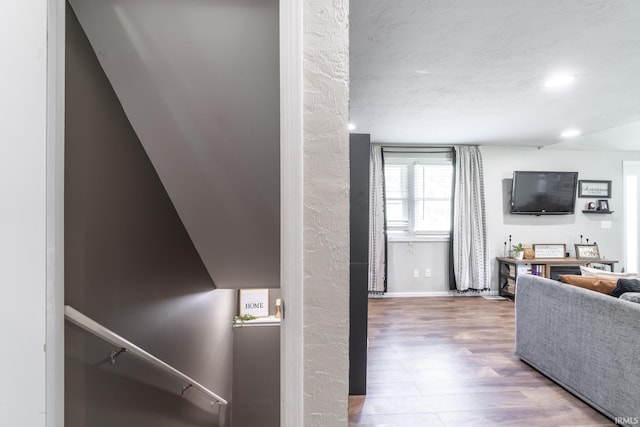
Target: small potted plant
column 518, row 251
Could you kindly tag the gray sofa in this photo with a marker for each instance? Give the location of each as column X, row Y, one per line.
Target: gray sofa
column 587, row 342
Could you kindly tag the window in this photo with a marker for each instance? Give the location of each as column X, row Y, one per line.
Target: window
column 418, row 189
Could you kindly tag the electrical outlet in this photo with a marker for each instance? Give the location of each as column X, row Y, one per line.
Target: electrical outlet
column 605, row 224
column 427, row 272
column 416, row 274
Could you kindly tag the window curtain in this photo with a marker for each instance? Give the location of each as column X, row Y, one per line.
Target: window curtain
column 377, row 240
column 469, row 222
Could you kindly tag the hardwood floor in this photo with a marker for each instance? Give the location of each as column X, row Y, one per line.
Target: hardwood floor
column 450, row 362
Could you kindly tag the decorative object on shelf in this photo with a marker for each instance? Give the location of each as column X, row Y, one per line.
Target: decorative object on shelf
column 242, row 319
column 518, row 251
column 529, row 253
column 603, row 205
column 549, row 250
column 587, row 251
column 278, row 308
column 254, row 302
column 591, row 206
column 594, row 189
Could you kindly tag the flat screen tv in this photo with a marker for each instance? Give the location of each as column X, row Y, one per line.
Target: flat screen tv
column 543, row 193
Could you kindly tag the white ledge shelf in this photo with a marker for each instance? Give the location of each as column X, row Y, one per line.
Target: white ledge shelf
column 260, row 321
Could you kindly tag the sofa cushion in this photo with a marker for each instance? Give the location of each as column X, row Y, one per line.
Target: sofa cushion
column 626, row 285
column 593, row 283
column 631, row 296
column 588, row 271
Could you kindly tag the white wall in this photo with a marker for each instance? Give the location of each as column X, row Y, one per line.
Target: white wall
column 406, row 256
column 631, row 171
column 23, row 36
column 499, row 164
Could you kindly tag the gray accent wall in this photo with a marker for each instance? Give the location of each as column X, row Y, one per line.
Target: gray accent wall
column 131, row 265
column 256, row 376
column 199, row 82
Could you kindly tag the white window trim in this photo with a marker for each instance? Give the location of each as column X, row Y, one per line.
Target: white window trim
column 418, row 237
column 410, row 159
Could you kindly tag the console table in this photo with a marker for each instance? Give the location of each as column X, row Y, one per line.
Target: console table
column 509, row 268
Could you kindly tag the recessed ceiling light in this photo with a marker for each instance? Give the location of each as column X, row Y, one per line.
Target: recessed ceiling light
column 352, row 126
column 559, row 80
column 570, row 133
column 423, row 72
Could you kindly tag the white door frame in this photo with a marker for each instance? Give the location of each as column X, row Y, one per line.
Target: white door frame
column 291, row 216
column 291, row 159
column 54, row 359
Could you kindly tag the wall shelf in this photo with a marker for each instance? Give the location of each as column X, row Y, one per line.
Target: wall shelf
column 260, row 321
column 592, row 211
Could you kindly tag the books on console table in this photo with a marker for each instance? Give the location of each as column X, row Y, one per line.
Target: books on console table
column 535, row 269
column 543, row 266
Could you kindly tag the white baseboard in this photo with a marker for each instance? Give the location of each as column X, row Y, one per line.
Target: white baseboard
column 417, row 294
column 433, row 294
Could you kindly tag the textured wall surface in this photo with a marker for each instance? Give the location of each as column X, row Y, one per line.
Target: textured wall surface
column 326, row 213
column 436, row 72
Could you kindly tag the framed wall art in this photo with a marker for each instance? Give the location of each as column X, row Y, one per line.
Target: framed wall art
column 594, row 189
column 254, row 302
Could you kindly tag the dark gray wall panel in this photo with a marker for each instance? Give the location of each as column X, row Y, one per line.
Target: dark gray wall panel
column 131, row 265
column 359, row 186
column 359, row 231
column 358, row 329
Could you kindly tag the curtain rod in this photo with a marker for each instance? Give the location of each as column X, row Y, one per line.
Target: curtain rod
column 404, row 149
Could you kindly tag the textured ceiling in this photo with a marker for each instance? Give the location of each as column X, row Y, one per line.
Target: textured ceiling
column 473, row 72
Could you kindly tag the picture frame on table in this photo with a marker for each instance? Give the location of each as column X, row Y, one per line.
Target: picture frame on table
column 603, row 205
column 592, row 188
column 587, row 252
column 549, row 250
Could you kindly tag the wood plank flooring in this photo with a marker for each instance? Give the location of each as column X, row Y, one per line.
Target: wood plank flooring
column 447, row 362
